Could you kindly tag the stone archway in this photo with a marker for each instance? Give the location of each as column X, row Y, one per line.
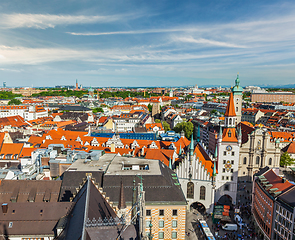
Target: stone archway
column 225, row 200
column 199, row 207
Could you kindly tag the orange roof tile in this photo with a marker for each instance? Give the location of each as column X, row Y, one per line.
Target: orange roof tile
column 230, row 108
column 229, row 135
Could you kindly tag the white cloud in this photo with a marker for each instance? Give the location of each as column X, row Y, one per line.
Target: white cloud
column 43, row 21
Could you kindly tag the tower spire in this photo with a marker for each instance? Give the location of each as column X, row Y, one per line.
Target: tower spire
column 192, row 146
column 230, row 108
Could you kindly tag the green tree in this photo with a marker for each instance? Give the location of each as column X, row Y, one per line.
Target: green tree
column 150, row 107
column 286, row 160
column 187, row 127
column 157, row 121
column 98, row 109
column 14, row 102
column 166, row 126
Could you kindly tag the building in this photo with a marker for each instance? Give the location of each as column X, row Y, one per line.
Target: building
column 228, row 149
column 273, row 97
column 164, row 202
column 256, row 152
column 267, row 188
column 27, row 112
column 27, row 91
column 196, row 172
column 251, row 115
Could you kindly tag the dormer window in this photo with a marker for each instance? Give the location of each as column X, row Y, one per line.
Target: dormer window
column 229, row 133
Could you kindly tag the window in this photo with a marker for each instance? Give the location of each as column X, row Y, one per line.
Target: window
column 190, row 190
column 226, row 187
column 224, row 161
column 148, row 212
column 224, row 153
column 229, row 123
column 257, row 160
column 232, row 170
column 174, row 223
column 174, row 212
column 161, row 235
column 229, row 133
column 222, row 177
column 245, row 160
column 226, row 177
column 232, row 162
column 223, row 170
column 174, row 235
column 147, row 223
column 202, row 193
column 161, row 223
column 232, row 178
column 233, row 153
column 237, row 109
column 270, row 161
column 161, row 212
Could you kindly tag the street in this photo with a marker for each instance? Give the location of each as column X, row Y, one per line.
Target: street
column 193, row 231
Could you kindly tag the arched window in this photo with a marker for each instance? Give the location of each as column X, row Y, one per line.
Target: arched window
column 245, row 160
column 190, row 190
column 230, row 121
column 257, row 160
column 225, row 121
column 202, row 193
column 269, row 161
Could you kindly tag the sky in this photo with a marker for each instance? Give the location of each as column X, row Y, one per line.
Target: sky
column 139, row 43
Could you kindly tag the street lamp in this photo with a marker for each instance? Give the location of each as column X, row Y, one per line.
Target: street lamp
column 150, row 234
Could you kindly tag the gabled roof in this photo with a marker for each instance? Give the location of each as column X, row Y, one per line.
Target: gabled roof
column 230, row 108
column 90, row 205
column 204, row 158
column 229, row 135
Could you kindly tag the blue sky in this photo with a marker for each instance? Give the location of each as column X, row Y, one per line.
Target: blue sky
column 146, row 43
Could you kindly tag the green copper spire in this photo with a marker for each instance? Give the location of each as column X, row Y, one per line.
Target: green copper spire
column 192, row 146
column 215, row 153
column 220, row 130
column 198, row 133
column 237, row 80
column 214, row 169
column 240, row 131
column 170, row 163
column 180, row 150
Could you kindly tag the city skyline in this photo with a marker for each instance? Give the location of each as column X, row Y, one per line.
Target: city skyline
column 141, row 44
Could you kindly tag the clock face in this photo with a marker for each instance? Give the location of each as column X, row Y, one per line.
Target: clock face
column 228, row 148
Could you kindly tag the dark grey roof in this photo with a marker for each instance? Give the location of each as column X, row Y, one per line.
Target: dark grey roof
column 89, row 205
column 288, row 197
column 73, row 179
column 159, row 189
column 33, row 190
column 111, row 233
column 73, row 108
column 32, row 218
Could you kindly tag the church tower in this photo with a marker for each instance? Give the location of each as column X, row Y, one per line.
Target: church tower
column 228, row 148
column 238, row 98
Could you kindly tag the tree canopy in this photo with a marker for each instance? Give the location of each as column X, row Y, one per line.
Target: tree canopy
column 187, row 127
column 8, row 95
column 14, row 102
column 286, row 160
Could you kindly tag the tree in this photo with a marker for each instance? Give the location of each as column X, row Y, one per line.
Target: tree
column 166, row 126
column 286, row 160
column 157, row 121
column 98, row 109
column 14, row 102
column 150, row 107
column 187, row 127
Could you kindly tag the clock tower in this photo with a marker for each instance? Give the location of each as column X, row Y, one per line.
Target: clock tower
column 228, row 147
